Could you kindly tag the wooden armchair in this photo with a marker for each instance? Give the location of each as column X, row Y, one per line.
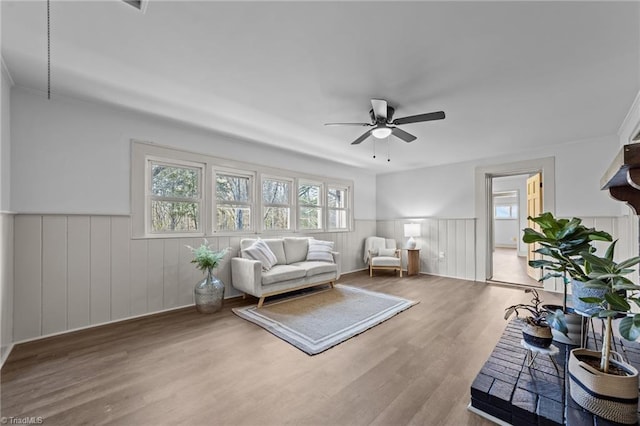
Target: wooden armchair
column 381, row 253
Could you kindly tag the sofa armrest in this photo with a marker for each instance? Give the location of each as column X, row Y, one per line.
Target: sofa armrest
column 336, row 260
column 246, row 275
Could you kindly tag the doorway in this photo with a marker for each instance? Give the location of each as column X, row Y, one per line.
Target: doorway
column 514, row 198
column 484, row 176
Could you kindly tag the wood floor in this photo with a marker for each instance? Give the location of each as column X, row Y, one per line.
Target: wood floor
column 186, row 368
column 508, row 267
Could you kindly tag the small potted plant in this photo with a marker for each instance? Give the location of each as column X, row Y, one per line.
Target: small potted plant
column 602, row 382
column 536, row 330
column 209, row 293
column 560, row 242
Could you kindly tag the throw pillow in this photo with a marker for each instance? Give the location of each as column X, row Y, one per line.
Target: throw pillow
column 387, row 252
column 260, row 251
column 320, row 250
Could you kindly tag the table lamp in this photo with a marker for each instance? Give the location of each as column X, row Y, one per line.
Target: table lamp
column 411, row 230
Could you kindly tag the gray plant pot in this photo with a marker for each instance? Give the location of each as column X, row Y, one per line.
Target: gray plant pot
column 579, row 290
column 574, row 326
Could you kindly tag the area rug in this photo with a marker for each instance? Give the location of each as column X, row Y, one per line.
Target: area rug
column 318, row 321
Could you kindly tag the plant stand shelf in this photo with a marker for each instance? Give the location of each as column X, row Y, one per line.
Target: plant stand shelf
column 508, row 391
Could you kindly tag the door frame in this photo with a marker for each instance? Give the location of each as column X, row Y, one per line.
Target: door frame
column 484, row 203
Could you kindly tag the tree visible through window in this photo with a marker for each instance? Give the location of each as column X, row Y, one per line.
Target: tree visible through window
column 310, row 206
column 276, row 202
column 233, row 202
column 337, row 205
column 175, row 197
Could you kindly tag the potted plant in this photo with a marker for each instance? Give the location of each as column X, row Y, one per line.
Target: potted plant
column 209, row 293
column 536, row 331
column 561, row 242
column 602, row 382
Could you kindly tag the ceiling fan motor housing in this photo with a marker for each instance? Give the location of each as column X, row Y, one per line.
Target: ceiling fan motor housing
column 390, row 111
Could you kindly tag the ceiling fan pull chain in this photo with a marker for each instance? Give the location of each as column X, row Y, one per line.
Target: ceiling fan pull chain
column 388, row 150
column 374, row 148
column 48, row 49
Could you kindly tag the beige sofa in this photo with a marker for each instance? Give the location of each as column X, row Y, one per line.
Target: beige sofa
column 292, row 270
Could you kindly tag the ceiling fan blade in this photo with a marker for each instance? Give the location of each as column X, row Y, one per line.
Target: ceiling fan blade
column 379, row 109
column 420, row 117
column 361, row 138
column 407, row 137
column 348, row 124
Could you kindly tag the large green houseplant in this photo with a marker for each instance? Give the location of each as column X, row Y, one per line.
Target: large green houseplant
column 560, row 243
column 602, row 382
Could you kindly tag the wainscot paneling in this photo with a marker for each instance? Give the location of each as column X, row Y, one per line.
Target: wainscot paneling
column 6, row 285
column 447, row 246
column 76, row 271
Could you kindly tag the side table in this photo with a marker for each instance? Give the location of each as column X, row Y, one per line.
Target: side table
column 413, row 261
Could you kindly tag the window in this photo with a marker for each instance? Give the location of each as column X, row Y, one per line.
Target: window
column 506, row 211
column 276, row 204
column 234, row 201
column 337, row 208
column 309, row 206
column 174, row 195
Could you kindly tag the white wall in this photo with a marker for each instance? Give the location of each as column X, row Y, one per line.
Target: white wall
column 77, row 158
column 448, row 191
column 6, row 222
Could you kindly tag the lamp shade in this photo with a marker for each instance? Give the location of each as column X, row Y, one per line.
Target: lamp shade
column 412, row 230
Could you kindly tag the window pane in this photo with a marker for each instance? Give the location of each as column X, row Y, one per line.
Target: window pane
column 275, row 191
column 310, row 218
column 337, row 219
column 514, row 211
column 234, row 218
column 309, row 194
column 174, row 216
column 276, row 218
column 504, row 212
column 337, row 198
column 232, row 188
column 171, row 181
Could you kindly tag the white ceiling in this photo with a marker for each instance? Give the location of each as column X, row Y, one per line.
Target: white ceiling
column 509, row 75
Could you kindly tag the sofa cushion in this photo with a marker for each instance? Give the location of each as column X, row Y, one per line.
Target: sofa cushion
column 295, row 249
column 320, row 250
column 281, row 273
column 316, row 268
column 275, row 244
column 261, row 252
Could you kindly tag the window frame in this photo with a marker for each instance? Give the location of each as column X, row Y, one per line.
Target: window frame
column 346, row 207
column 291, row 205
column 251, row 196
column 150, row 160
column 142, row 151
column 321, row 205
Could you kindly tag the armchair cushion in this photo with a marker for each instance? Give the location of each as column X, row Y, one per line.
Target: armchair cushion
column 385, row 261
column 386, row 252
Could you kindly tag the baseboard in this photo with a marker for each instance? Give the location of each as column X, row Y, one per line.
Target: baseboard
column 87, row 327
column 6, row 355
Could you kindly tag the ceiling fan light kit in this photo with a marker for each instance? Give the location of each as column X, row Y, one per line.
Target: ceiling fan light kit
column 382, row 119
column 381, row 132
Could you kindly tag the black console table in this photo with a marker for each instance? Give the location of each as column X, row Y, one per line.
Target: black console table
column 507, row 390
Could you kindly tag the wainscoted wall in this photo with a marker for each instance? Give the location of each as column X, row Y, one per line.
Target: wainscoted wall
column 74, row 271
column 6, row 285
column 447, row 246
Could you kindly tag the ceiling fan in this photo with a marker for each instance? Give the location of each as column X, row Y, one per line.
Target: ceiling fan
column 384, row 125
